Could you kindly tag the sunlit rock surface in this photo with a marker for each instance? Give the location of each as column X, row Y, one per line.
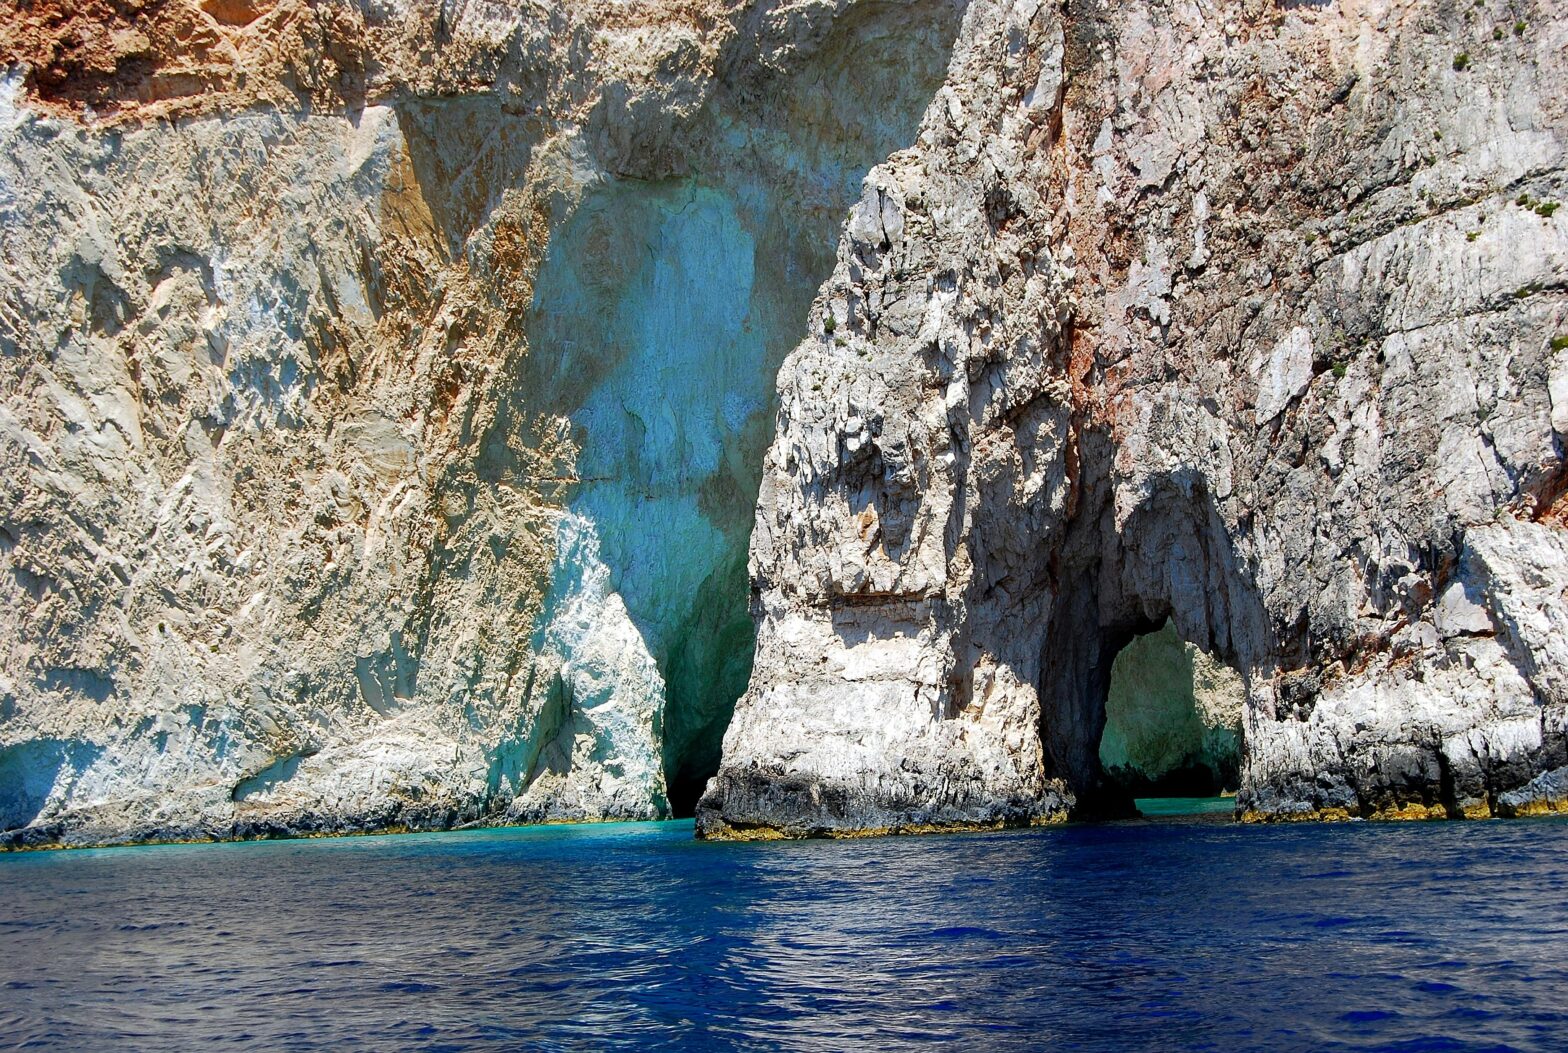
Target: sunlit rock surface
column 1245, row 317
column 385, row 392
column 413, row 414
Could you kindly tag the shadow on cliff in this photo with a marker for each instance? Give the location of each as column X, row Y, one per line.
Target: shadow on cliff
column 1170, row 561
column 663, row 311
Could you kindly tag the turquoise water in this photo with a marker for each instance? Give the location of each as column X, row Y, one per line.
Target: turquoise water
column 1160, row 936
column 1158, row 807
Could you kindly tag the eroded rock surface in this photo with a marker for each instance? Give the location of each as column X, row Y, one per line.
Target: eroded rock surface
column 385, row 390
column 1246, row 316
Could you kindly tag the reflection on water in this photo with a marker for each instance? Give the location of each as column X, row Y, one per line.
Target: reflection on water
column 1132, row 936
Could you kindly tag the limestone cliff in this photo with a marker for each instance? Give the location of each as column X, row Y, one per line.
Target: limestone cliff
column 383, row 392
column 1245, row 316
column 387, row 392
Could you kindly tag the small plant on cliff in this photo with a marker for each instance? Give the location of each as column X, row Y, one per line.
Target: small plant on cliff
column 1497, row 33
column 1338, row 369
column 1560, row 342
column 1544, row 209
column 1461, row 60
column 829, row 323
column 1519, row 28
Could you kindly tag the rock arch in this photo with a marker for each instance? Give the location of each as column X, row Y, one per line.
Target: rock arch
column 1120, row 348
column 1146, row 555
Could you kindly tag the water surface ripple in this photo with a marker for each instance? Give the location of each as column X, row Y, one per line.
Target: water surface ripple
column 1159, row 936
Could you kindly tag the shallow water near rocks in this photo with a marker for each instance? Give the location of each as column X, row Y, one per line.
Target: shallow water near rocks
column 1159, row 807
column 1167, row 934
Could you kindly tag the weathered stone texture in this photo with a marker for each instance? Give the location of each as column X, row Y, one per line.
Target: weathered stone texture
column 317, row 515
column 384, row 391
column 1238, row 315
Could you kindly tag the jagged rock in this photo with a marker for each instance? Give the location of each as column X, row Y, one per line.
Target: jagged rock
column 1245, row 322
column 1546, row 794
column 383, row 391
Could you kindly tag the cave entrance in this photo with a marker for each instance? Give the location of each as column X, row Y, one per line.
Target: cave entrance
column 1173, row 724
column 1147, row 657
column 665, row 303
column 708, row 666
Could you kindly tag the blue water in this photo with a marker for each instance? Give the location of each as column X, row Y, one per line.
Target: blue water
column 1148, row 935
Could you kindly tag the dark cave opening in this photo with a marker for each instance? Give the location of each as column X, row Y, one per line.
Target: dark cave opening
column 1143, row 665
column 707, row 669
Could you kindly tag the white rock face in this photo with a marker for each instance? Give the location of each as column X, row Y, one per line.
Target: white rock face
column 1252, row 324
column 884, row 695
column 384, row 392
column 1285, row 374
column 315, row 518
column 602, row 754
column 213, row 534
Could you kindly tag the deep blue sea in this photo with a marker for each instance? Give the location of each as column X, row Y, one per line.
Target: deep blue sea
column 1160, row 935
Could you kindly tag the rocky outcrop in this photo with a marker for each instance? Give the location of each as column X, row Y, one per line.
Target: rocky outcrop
column 1247, row 317
column 383, row 391
column 387, row 392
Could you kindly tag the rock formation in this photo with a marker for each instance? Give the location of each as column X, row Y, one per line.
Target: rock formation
column 1242, row 316
column 387, row 392
column 385, row 389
